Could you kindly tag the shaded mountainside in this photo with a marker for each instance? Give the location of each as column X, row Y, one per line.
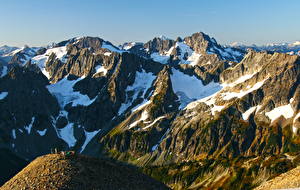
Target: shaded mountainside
column 56, row 171
column 189, row 112
column 10, row 165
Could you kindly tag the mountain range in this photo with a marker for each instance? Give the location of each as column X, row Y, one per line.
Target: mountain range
column 188, row 112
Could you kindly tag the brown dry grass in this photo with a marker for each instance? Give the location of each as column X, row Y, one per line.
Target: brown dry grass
column 55, row 171
column 290, row 179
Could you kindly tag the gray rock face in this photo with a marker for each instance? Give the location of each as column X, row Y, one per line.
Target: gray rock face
column 200, row 42
column 159, row 45
column 93, row 44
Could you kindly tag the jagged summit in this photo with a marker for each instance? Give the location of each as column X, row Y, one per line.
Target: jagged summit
column 184, row 50
column 58, row 171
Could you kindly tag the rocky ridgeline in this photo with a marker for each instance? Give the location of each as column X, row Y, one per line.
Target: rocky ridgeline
column 160, row 105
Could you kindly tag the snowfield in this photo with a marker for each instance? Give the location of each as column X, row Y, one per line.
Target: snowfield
column 65, row 94
column 3, row 95
column 191, row 87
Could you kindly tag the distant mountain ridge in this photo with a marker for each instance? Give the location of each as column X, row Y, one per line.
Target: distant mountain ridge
column 164, row 105
column 290, row 48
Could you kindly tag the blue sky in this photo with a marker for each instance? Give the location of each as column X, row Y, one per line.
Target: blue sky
column 39, row 22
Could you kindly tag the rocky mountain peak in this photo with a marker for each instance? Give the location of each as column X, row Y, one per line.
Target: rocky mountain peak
column 159, row 45
column 200, row 42
column 94, row 43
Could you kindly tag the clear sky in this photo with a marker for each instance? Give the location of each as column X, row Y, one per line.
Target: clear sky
column 40, row 22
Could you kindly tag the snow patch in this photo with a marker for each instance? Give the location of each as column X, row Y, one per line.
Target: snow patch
column 239, row 80
column 154, row 147
column 160, row 58
column 156, row 120
column 4, row 71
column 141, row 105
column 88, row 137
column 40, row 60
column 295, row 129
column 297, row 43
column 230, row 95
column 129, row 45
column 233, row 52
column 3, row 95
column 143, row 81
column 107, row 53
column 143, row 117
column 100, row 69
column 185, row 50
column 286, row 111
column 110, row 47
column 247, row 113
column 65, row 94
column 67, row 134
column 60, row 52
column 42, row 132
column 13, row 133
column 29, row 127
column 210, row 101
column 194, row 59
column 216, row 108
column 187, row 55
column 191, row 87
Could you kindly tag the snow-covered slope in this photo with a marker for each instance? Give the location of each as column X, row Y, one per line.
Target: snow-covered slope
column 189, row 88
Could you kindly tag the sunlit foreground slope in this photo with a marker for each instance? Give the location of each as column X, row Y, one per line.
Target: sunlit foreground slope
column 57, row 171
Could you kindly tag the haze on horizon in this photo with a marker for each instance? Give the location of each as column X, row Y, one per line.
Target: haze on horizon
column 38, row 23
